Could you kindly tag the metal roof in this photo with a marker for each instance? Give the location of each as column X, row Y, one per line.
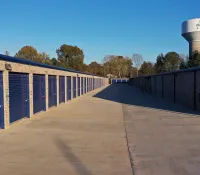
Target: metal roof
column 33, row 63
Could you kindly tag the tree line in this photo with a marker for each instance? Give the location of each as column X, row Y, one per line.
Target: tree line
column 72, row 57
column 171, row 61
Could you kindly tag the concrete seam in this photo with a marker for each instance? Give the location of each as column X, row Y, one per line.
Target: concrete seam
column 127, row 142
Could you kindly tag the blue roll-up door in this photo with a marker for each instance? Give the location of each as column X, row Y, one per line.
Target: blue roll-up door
column 92, row 83
column 74, row 87
column 82, row 85
column 18, row 96
column 1, row 102
column 79, row 86
column 88, row 84
column 39, row 96
column 85, row 85
column 52, row 90
column 69, row 88
column 114, row 81
column 61, row 89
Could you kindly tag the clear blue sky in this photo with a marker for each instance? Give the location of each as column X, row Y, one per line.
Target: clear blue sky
column 99, row 27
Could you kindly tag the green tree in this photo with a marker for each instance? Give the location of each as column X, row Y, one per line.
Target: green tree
column 159, row 66
column 172, row 61
column 29, row 53
column 71, row 57
column 194, row 60
column 118, row 66
column 95, row 68
column 147, row 68
column 55, row 62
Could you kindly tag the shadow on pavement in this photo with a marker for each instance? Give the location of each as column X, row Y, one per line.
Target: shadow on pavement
column 130, row 95
column 71, row 158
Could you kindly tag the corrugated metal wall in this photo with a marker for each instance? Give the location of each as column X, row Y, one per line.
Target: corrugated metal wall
column 182, row 87
column 168, row 87
column 39, row 93
column 18, row 96
column 185, row 89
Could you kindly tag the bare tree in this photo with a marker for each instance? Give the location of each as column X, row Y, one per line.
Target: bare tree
column 137, row 59
column 6, row 53
column 184, row 57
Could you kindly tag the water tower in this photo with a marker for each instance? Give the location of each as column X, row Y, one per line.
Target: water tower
column 191, row 32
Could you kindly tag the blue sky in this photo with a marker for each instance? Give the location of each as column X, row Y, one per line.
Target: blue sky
column 99, row 27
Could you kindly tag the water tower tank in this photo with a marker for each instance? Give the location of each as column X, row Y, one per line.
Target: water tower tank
column 191, row 32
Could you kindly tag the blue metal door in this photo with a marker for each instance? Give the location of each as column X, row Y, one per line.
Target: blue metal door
column 79, row 86
column 114, row 81
column 74, row 87
column 88, row 84
column 61, row 89
column 52, row 90
column 85, row 85
column 92, row 83
column 82, row 85
column 18, row 96
column 1, row 102
column 39, row 96
column 69, row 88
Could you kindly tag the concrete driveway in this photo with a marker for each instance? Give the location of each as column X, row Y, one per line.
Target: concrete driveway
column 83, row 137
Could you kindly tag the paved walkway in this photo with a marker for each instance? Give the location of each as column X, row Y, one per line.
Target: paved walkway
column 83, row 137
column 164, row 139
column 89, row 136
